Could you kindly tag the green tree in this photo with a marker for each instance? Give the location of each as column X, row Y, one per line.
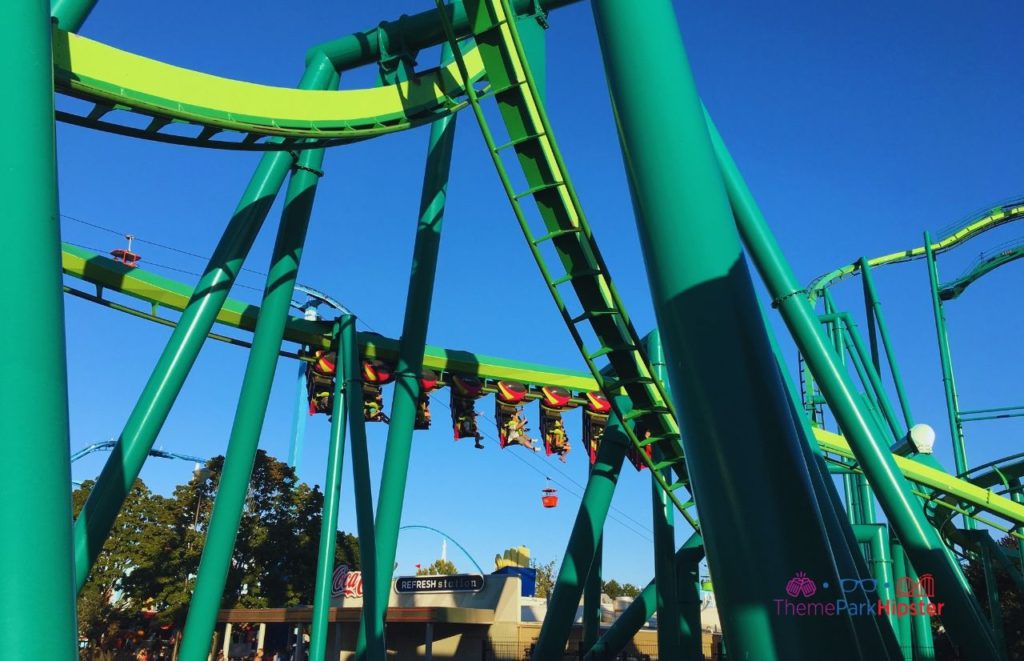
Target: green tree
column 439, row 567
column 1011, row 600
column 122, row 578
column 630, row 590
column 612, row 588
column 152, row 555
column 545, row 578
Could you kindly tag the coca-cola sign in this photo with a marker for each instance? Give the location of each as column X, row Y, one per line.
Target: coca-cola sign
column 347, row 583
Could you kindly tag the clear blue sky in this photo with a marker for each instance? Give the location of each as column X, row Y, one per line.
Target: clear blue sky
column 857, row 126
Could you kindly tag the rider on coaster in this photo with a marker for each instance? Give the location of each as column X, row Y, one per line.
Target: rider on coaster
column 515, row 431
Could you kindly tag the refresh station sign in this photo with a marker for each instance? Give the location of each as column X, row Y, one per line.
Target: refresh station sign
column 455, row 583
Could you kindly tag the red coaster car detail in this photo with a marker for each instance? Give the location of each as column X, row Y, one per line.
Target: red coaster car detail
column 428, row 383
column 464, row 392
column 595, row 419
column 554, row 400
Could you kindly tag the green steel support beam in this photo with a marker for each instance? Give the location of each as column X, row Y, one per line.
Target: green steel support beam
column 901, row 568
column 38, row 574
column 965, row 621
column 252, row 406
column 871, row 294
column 995, row 609
column 361, row 479
column 407, row 382
column 416, row 32
column 691, row 633
column 758, row 523
column 875, row 641
column 154, row 404
column 592, row 600
column 332, row 490
column 583, row 541
column 921, row 628
column 642, row 609
column 1017, row 494
column 670, row 624
column 956, row 430
column 71, row 14
column 877, row 535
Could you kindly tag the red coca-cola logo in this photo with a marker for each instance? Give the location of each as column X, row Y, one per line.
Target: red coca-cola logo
column 346, row 583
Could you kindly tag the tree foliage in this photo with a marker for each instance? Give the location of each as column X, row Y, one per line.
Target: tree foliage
column 545, row 578
column 150, row 559
column 439, row 567
column 614, row 590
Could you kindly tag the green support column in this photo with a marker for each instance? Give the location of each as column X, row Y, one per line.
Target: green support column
column 1017, row 494
column 877, row 536
column 747, row 474
column 583, row 541
column 900, row 569
column 71, row 14
column 956, row 430
column 875, row 642
column 875, row 305
column 343, row 391
column 361, row 481
column 252, row 406
column 691, row 633
column 37, row 600
column 921, row 628
column 964, row 620
column 643, row 607
column 154, row 404
column 663, row 526
column 995, row 609
column 592, row 600
column 408, row 371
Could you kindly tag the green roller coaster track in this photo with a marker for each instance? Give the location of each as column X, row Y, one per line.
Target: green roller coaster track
column 767, row 506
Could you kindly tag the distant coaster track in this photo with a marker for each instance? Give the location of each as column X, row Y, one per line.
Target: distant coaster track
column 961, row 233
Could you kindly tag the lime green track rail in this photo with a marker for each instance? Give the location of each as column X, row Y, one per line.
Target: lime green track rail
column 161, row 293
column 956, row 495
column 582, row 271
column 111, row 79
column 993, row 218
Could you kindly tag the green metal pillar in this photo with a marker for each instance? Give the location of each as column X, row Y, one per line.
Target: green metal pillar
column 875, row 642
column 995, row 609
column 663, row 526
column 583, row 540
column 71, row 14
column 875, row 305
column 1017, row 494
column 252, row 405
column 408, row 371
column 592, row 600
column 921, row 628
column 877, row 536
column 37, row 601
column 643, row 607
column 361, row 482
column 956, row 430
column 332, row 491
column 901, row 569
column 964, row 620
column 755, row 496
column 154, row 404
